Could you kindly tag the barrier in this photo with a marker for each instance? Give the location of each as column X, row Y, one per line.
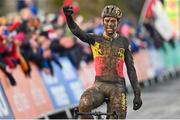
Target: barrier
column 64, row 88
column 28, row 98
column 177, row 55
column 71, row 81
column 157, row 62
column 38, row 92
column 143, row 65
column 5, row 110
column 87, row 74
column 18, row 96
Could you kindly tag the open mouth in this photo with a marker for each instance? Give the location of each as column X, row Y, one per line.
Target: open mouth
column 110, row 30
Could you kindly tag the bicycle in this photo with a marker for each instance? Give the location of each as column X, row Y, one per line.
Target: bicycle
column 98, row 115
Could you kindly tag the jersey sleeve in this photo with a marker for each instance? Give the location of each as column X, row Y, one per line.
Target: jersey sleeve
column 131, row 69
column 76, row 30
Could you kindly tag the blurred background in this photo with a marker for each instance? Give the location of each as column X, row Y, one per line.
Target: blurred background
column 44, row 69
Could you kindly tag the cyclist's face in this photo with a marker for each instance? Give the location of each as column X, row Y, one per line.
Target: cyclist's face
column 110, row 25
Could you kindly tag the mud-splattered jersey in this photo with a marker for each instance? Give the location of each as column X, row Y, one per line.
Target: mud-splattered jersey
column 109, row 55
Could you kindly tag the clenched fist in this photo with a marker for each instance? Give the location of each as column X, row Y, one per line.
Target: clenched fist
column 68, row 10
column 137, row 103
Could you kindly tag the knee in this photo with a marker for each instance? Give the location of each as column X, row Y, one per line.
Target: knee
column 85, row 104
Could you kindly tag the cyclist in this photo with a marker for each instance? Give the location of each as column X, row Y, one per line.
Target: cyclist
column 110, row 51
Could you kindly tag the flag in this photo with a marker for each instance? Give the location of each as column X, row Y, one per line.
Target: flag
column 147, row 10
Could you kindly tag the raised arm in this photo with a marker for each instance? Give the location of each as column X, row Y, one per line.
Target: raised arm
column 85, row 37
column 133, row 78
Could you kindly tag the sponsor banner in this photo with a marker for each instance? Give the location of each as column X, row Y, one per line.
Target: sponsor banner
column 56, row 90
column 38, row 92
column 158, row 63
column 5, row 110
column 143, row 65
column 19, row 97
column 64, row 88
column 87, row 74
column 73, row 84
column 168, row 56
column 29, row 98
